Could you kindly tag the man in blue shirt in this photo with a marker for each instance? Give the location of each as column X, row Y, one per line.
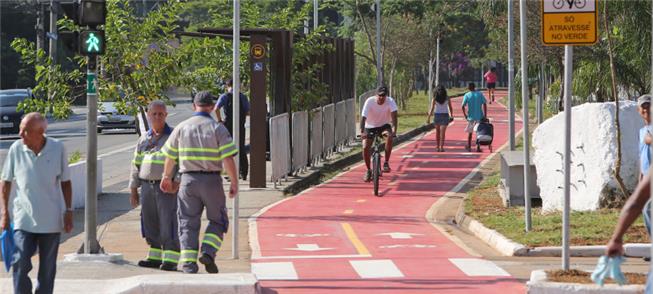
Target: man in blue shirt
column 475, row 101
column 42, row 205
column 226, row 102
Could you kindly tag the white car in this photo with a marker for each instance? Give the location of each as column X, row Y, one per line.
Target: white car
column 110, row 118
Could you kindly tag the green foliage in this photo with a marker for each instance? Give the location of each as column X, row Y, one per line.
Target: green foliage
column 54, row 88
column 74, row 157
column 139, row 64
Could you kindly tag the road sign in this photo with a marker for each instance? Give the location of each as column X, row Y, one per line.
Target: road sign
column 569, row 22
column 90, row 83
column 91, row 42
column 399, row 235
column 308, row 247
column 258, row 51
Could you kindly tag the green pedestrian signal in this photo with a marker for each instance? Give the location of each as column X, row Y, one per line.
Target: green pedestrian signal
column 91, row 42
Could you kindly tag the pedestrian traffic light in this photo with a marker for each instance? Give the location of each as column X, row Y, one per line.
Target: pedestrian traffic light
column 91, row 42
column 92, row 12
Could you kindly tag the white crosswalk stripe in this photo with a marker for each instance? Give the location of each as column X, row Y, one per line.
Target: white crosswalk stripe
column 371, row 269
column 274, row 270
column 474, row 267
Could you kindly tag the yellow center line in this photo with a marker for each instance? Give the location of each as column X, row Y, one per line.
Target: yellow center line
column 353, row 238
column 348, row 211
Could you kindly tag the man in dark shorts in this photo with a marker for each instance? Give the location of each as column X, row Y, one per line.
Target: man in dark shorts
column 379, row 112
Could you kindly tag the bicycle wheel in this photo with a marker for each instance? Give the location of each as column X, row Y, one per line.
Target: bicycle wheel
column 376, row 172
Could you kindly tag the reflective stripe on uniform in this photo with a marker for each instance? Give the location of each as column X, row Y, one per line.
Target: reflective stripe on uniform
column 213, row 240
column 188, row 256
column 171, row 256
column 149, row 157
column 208, row 154
column 138, row 158
column 169, row 151
column 154, row 254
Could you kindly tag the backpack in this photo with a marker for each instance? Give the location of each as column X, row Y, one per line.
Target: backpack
column 229, row 110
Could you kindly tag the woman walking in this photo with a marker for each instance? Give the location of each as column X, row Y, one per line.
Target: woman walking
column 443, row 115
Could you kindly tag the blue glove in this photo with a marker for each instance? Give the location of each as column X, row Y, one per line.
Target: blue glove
column 609, row 267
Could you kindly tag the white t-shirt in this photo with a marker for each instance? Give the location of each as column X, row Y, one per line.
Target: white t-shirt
column 378, row 115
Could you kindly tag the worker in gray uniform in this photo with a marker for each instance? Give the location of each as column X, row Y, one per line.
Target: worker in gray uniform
column 158, row 209
column 202, row 148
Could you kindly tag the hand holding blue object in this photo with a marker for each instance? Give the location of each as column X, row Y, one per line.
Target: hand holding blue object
column 7, row 244
column 609, row 267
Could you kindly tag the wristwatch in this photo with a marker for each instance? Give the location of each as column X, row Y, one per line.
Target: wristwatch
column 69, row 209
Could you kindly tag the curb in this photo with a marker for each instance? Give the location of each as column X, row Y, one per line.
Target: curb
column 508, row 247
column 314, row 177
column 240, row 283
column 493, row 238
column 538, row 284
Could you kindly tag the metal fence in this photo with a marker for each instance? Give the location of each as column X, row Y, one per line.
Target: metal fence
column 350, row 120
column 299, row 140
column 328, row 119
column 280, row 146
column 317, row 146
column 340, row 123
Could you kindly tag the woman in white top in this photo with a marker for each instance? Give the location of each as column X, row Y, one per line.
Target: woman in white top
column 443, row 115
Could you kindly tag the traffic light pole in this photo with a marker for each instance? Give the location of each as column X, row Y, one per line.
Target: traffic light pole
column 91, row 245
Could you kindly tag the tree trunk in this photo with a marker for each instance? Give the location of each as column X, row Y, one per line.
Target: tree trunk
column 617, row 166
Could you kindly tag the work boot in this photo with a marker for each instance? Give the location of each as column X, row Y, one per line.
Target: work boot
column 168, row 266
column 149, row 263
column 368, row 176
column 209, row 264
column 189, row 267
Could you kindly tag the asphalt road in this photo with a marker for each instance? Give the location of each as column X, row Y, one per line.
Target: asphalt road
column 115, row 147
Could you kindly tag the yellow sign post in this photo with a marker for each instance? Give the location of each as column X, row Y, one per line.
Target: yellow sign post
column 569, row 22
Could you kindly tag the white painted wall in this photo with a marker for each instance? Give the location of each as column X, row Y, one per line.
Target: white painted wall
column 594, row 147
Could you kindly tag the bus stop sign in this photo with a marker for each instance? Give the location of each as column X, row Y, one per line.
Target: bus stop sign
column 569, row 22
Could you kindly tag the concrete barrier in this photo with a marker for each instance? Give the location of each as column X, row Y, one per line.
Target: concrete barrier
column 237, row 283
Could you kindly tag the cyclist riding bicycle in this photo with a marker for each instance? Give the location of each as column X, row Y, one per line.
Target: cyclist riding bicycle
column 379, row 112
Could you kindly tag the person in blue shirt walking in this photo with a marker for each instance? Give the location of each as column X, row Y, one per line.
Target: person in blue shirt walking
column 225, row 102
column 474, row 110
column 643, row 103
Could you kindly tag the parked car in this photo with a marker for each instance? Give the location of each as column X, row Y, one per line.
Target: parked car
column 9, row 115
column 110, row 118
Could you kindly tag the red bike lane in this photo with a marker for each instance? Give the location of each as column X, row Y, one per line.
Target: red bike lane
column 339, row 237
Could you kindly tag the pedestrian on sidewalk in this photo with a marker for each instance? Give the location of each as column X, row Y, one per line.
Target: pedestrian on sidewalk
column 226, row 102
column 158, row 209
column 629, row 213
column 491, row 82
column 443, row 115
column 202, row 148
column 42, row 205
column 475, row 101
column 643, row 105
column 379, row 112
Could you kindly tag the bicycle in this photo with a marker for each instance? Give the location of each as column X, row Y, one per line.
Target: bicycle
column 376, row 148
column 580, row 4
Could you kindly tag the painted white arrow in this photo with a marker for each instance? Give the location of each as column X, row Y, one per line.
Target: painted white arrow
column 399, row 235
column 308, row 247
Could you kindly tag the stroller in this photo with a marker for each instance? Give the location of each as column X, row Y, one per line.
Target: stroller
column 484, row 134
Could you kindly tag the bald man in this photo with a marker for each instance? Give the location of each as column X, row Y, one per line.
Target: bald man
column 42, row 206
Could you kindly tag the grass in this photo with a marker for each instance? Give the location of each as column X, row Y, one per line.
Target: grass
column 576, row 276
column 587, row 228
column 414, row 116
column 74, row 157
